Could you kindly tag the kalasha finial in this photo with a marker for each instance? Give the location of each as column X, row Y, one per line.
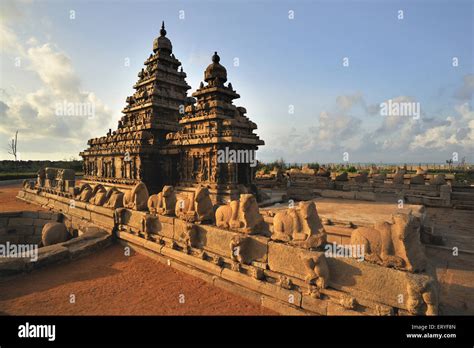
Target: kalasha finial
column 216, row 58
column 163, row 31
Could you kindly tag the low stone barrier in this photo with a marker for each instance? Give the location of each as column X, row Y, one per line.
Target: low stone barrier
column 292, row 277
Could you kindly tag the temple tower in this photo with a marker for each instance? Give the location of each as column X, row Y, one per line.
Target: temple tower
column 216, row 144
column 132, row 152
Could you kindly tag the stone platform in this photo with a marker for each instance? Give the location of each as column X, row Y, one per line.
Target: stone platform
column 270, row 272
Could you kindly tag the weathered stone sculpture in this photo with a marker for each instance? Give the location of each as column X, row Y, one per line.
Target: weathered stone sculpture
column 342, row 177
column 439, row 179
column 361, row 178
column 85, row 193
column 242, row 215
column 41, row 177
column 317, row 270
column 197, row 207
column 28, row 184
column 379, row 178
column 163, row 203
column 53, row 233
column 114, row 198
column 99, row 195
column 399, row 176
column 418, row 179
column 137, row 198
column 393, row 244
column 301, row 226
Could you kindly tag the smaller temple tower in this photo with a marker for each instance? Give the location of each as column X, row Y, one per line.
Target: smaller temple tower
column 217, row 143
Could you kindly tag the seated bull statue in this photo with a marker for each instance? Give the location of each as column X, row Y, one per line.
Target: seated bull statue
column 342, row 177
column 399, row 176
column 418, row 179
column 361, row 178
column 84, row 193
column 114, row 198
column 393, row 244
column 163, row 203
column 136, row 198
column 439, row 179
column 242, row 215
column 301, row 226
column 99, row 195
column 197, row 207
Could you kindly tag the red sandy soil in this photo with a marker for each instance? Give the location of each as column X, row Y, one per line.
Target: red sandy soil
column 9, row 202
column 110, row 283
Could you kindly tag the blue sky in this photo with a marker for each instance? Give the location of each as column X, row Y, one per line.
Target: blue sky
column 283, row 62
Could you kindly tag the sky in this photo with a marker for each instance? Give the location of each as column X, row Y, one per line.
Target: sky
column 313, row 75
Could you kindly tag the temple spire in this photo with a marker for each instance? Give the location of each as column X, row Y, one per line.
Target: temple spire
column 163, row 30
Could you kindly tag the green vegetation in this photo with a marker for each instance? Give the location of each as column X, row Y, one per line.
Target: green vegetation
column 10, row 170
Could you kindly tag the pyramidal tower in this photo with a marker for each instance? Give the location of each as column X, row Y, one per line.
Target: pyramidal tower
column 167, row 138
column 132, row 153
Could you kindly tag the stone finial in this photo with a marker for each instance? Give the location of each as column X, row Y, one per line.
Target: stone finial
column 163, row 30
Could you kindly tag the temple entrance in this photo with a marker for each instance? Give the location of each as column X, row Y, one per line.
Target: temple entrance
column 243, row 174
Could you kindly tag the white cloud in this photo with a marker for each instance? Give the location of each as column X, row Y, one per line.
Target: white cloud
column 34, row 113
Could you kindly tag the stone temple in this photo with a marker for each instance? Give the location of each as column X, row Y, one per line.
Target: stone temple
column 168, row 138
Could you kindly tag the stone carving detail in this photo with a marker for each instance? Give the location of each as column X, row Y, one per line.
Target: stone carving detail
column 137, row 198
column 114, row 199
column 195, row 208
column 439, row 179
column 188, row 237
column 301, row 226
column 342, row 177
column 163, row 203
column 99, row 195
column 393, row 244
column 418, row 179
column 423, row 298
column 84, row 193
column 28, row 184
column 361, row 178
column 53, row 233
column 317, row 270
column 242, row 215
column 399, row 176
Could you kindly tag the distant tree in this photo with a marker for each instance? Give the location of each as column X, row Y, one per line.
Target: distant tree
column 13, row 146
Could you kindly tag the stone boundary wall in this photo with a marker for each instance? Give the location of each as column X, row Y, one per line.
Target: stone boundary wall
column 89, row 241
column 428, row 195
column 24, row 226
column 271, row 273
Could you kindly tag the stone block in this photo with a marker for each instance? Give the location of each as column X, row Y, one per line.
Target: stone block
column 315, row 305
column 46, row 215
column 219, row 241
column 20, row 222
column 30, row 214
column 373, row 282
column 335, row 309
column 24, row 230
column 287, row 259
column 238, row 290
column 281, row 307
column 287, row 296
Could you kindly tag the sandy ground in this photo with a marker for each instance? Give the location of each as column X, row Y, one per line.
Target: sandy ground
column 110, row 283
column 9, row 202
